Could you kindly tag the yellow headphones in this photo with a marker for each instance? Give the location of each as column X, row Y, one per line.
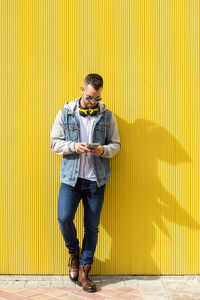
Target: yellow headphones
column 88, row 111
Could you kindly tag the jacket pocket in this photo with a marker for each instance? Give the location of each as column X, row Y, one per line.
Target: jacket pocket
column 71, row 132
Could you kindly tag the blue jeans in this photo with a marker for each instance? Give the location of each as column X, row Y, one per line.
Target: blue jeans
column 68, row 200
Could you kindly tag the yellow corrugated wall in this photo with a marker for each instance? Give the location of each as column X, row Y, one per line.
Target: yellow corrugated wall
column 148, row 55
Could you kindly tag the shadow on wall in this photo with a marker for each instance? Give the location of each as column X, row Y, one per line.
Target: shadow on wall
column 141, row 203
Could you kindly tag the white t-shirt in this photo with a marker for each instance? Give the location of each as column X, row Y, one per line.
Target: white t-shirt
column 86, row 132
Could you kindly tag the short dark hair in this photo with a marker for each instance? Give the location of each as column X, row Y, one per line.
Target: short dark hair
column 95, row 80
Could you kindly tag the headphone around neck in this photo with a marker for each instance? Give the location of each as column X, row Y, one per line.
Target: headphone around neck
column 84, row 112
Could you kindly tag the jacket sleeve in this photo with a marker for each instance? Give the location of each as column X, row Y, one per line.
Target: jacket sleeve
column 58, row 143
column 113, row 145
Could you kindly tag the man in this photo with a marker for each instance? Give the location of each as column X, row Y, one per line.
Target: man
column 85, row 170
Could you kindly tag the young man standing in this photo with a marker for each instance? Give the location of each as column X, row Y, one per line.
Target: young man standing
column 85, row 132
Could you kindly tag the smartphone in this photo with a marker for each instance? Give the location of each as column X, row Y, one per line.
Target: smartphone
column 93, row 145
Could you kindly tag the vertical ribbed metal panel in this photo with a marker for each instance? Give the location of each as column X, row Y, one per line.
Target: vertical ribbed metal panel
column 148, row 54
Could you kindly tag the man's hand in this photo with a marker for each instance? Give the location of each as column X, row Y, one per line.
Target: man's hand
column 81, row 148
column 97, row 150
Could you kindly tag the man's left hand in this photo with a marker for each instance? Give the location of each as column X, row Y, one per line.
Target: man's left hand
column 98, row 150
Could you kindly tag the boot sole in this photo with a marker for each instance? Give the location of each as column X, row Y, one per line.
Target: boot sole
column 89, row 291
column 74, row 281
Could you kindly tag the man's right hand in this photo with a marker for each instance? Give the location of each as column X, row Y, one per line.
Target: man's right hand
column 81, row 148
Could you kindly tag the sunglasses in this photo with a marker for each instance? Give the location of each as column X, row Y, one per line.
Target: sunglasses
column 90, row 98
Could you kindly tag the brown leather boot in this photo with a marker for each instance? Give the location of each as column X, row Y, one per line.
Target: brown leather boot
column 74, row 266
column 84, row 280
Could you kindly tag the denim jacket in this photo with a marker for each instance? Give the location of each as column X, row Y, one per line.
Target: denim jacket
column 65, row 133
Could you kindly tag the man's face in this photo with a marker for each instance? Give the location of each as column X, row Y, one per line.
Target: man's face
column 89, row 91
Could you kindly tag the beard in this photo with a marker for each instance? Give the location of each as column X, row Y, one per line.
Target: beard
column 88, row 104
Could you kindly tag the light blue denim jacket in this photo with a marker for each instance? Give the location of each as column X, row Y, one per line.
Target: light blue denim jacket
column 65, row 133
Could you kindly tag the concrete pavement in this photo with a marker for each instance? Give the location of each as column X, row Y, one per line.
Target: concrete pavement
column 24, row 287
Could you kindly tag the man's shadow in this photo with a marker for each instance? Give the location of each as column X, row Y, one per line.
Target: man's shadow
column 136, row 202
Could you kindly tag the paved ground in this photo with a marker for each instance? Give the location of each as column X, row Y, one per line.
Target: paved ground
column 27, row 287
